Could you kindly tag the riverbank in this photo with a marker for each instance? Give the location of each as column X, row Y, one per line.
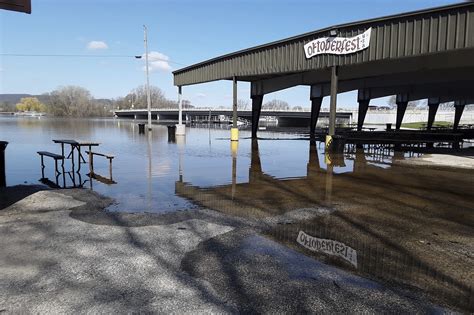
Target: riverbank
column 62, row 253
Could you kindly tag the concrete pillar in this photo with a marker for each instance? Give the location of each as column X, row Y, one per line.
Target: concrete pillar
column 458, row 110
column 316, row 97
column 333, row 102
column 363, row 98
column 257, row 101
column 402, row 102
column 433, row 104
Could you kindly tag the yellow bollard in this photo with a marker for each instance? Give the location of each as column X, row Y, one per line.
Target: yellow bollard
column 328, row 141
column 327, row 157
column 234, row 134
column 234, row 146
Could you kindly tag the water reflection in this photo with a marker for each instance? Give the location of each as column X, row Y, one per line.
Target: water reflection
column 407, row 225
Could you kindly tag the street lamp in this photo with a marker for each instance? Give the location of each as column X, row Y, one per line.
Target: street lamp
column 148, row 97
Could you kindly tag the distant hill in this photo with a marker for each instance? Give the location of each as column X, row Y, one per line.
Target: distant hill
column 13, row 98
column 16, row 98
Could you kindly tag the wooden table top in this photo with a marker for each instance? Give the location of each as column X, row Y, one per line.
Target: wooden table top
column 77, row 143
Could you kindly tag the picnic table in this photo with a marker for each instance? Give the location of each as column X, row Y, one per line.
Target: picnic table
column 76, row 145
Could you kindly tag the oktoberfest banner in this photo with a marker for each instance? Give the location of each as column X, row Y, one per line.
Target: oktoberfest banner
column 337, row 45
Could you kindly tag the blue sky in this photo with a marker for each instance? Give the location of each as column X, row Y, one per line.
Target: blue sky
column 184, row 31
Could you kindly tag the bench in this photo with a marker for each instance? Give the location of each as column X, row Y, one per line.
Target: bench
column 55, row 156
column 91, row 161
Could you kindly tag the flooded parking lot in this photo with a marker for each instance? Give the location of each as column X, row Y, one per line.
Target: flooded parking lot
column 361, row 211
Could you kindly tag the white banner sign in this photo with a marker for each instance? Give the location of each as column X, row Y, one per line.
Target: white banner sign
column 329, row 247
column 337, row 45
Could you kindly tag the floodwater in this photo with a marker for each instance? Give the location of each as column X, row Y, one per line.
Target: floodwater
column 405, row 225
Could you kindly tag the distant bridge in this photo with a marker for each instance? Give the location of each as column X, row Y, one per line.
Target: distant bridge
column 285, row 117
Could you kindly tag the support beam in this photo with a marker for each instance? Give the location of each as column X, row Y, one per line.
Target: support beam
column 433, row 104
column 257, row 101
column 315, row 109
column 333, row 102
column 363, row 98
column 458, row 110
column 234, row 132
column 402, row 103
column 234, row 102
column 180, row 128
column 316, row 97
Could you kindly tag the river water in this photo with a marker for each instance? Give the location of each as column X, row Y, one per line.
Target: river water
column 389, row 221
column 145, row 167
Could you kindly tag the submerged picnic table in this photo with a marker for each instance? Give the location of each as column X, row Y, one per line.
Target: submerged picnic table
column 76, row 145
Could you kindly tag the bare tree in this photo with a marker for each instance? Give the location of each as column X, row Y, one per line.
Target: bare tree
column 138, row 97
column 76, row 101
column 242, row 104
column 392, row 101
column 276, row 105
column 447, row 106
column 72, row 101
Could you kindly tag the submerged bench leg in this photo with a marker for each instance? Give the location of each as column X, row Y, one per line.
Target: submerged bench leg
column 91, row 163
column 110, row 168
column 56, row 167
column 42, row 167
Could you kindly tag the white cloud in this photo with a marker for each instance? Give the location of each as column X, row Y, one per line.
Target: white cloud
column 157, row 61
column 201, row 95
column 96, row 45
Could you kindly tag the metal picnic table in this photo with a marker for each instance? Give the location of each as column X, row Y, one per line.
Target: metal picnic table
column 76, row 145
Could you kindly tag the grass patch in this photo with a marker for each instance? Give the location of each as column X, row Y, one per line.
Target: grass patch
column 422, row 124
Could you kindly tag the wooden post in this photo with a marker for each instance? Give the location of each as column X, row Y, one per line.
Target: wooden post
column 42, row 167
column 110, row 168
column 91, row 163
column 333, row 102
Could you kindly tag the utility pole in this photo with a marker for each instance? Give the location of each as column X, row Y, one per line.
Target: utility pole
column 148, row 97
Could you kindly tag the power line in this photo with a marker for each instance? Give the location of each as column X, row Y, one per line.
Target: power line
column 84, row 56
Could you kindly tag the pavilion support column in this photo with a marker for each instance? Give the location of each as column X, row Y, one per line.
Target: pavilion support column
column 402, row 103
column 234, row 131
column 363, row 98
column 316, row 97
column 433, row 104
column 458, row 110
column 333, row 102
column 180, row 127
column 257, row 101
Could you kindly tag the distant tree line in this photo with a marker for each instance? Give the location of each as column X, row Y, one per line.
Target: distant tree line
column 137, row 98
column 75, row 101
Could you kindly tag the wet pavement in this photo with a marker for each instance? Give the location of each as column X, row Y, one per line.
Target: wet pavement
column 60, row 256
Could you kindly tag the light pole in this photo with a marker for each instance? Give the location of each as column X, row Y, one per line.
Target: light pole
column 148, row 97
